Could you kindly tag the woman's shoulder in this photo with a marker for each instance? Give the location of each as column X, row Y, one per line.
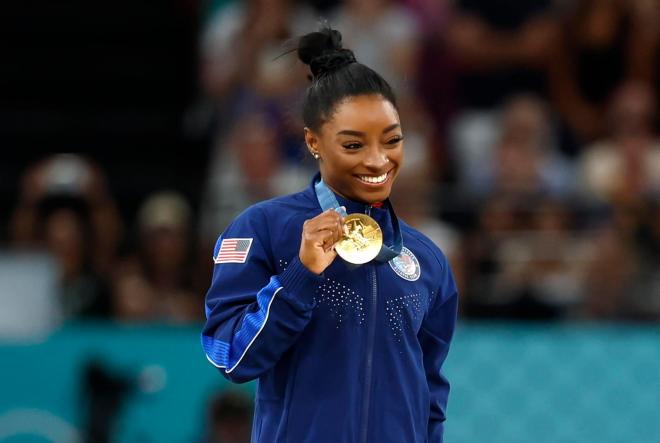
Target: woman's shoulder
column 279, row 208
column 270, row 221
column 287, row 205
column 419, row 243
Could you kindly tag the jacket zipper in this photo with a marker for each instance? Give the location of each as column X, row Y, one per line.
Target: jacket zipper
column 370, row 350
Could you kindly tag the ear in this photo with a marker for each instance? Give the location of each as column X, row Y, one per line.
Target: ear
column 312, row 142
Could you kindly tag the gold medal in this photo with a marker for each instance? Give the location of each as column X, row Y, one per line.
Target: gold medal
column 362, row 239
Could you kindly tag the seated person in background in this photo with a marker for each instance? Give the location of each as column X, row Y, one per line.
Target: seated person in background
column 257, row 149
column 157, row 281
column 625, row 165
column 65, row 231
column 501, row 47
column 524, row 260
column 518, row 154
column 602, row 43
column 65, row 208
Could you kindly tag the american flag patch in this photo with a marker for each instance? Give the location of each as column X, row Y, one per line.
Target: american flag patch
column 233, row 250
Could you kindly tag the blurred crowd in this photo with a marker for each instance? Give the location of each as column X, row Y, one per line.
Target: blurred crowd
column 532, row 157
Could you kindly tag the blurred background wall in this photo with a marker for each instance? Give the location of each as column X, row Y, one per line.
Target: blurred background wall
column 132, row 132
column 511, row 383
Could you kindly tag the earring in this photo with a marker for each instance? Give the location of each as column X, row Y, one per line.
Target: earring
column 315, row 155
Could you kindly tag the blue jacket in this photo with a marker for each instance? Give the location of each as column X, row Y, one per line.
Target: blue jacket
column 351, row 356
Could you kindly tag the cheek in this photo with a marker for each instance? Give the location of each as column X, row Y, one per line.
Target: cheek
column 396, row 157
column 338, row 169
column 334, row 159
column 327, row 148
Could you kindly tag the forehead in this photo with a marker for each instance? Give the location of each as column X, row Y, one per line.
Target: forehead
column 363, row 113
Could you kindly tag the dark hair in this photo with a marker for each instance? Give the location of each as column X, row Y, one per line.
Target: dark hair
column 335, row 75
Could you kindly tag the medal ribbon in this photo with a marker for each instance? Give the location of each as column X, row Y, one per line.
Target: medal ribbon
column 327, row 200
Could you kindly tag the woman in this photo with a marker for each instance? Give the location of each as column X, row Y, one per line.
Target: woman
column 343, row 352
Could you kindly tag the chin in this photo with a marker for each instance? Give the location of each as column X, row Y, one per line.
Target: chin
column 374, row 197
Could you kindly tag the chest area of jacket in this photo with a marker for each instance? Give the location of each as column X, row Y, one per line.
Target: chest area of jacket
column 396, row 295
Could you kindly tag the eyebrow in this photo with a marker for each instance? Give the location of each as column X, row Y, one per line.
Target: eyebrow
column 362, row 134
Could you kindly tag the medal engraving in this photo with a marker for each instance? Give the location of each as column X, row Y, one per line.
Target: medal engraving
column 362, row 239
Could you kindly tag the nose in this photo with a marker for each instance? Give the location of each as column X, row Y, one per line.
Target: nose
column 375, row 159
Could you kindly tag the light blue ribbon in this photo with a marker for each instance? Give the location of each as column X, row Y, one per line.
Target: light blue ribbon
column 327, row 200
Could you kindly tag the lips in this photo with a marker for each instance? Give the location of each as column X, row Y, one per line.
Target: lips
column 374, row 179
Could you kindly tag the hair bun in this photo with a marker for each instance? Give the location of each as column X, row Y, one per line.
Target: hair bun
column 323, row 51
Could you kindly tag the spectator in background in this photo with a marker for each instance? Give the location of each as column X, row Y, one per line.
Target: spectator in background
column 65, row 208
column 502, row 47
column 622, row 174
column 249, row 168
column 624, row 264
column 258, row 80
column 255, row 30
column 229, row 418
column 385, row 35
column 523, row 262
column 625, row 166
column 499, row 49
column 612, row 266
column 65, row 231
column 436, row 75
column 157, row 282
column 496, row 219
column 556, row 256
column 518, row 155
column 258, row 149
column 388, row 37
column 603, row 43
column 69, row 175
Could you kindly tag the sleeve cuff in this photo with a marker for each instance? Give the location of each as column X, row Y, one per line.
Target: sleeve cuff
column 299, row 282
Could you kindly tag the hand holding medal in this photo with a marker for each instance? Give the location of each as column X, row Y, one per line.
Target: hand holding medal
column 356, row 238
column 319, row 236
column 362, row 237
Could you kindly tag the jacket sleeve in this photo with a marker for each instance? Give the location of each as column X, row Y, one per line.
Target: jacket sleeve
column 435, row 336
column 252, row 315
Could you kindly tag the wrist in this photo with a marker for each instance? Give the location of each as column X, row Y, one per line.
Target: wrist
column 310, row 267
column 299, row 282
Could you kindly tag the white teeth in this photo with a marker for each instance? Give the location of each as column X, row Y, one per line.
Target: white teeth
column 370, row 179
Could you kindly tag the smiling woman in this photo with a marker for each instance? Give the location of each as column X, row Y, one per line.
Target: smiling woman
column 360, row 149
column 325, row 334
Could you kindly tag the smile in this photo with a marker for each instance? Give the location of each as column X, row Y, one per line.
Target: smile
column 374, row 179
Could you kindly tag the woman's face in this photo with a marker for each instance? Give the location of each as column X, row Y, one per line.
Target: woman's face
column 360, row 148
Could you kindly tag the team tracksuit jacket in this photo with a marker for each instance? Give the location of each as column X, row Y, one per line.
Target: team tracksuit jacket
column 351, row 356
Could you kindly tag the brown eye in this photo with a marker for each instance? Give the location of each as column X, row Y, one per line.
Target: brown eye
column 395, row 140
column 352, row 146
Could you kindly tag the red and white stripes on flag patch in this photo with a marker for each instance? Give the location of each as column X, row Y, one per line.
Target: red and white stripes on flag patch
column 233, row 250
